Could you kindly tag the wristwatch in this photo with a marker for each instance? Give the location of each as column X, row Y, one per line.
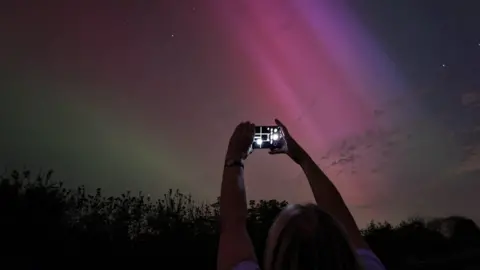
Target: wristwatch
column 233, row 163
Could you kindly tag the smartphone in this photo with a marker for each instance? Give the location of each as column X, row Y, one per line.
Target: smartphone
column 268, row 137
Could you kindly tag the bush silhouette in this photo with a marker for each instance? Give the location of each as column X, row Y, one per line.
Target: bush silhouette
column 41, row 218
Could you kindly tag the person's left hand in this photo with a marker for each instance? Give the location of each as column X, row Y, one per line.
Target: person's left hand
column 240, row 145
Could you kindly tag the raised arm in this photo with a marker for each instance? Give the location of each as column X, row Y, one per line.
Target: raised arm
column 324, row 191
column 235, row 244
column 329, row 199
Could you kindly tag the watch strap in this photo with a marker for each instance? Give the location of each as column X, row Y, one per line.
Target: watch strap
column 233, row 163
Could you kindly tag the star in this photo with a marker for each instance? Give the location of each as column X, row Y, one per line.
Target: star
column 172, row 35
column 444, row 65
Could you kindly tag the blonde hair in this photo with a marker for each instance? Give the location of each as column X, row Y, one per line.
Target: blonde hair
column 303, row 237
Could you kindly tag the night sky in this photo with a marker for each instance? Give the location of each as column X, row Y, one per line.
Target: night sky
column 144, row 95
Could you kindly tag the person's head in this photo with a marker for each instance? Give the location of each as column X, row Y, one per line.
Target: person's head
column 303, row 237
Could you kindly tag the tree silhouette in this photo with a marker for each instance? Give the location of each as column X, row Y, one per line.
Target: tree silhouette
column 42, row 219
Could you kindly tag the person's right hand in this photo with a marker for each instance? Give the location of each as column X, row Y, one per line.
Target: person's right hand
column 240, row 145
column 291, row 147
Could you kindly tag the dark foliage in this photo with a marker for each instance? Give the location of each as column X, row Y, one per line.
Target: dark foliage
column 41, row 221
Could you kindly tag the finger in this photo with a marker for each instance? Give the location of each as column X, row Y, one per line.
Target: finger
column 242, row 127
column 247, row 128
column 276, row 151
column 252, row 128
column 283, row 129
column 239, row 126
column 281, row 125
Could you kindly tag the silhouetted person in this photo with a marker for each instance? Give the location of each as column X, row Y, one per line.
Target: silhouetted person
column 303, row 237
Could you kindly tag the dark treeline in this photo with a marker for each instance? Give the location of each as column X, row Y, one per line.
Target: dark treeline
column 41, row 219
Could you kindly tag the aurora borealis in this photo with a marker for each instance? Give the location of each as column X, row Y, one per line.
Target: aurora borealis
column 144, row 96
